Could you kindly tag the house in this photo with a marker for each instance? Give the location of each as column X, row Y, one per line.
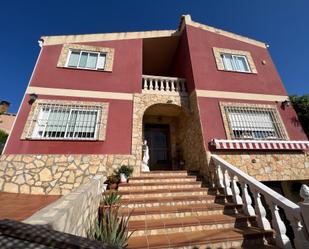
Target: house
column 190, row 93
column 6, row 120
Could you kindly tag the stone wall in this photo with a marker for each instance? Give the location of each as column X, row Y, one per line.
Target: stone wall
column 74, row 213
column 270, row 165
column 55, row 174
column 191, row 138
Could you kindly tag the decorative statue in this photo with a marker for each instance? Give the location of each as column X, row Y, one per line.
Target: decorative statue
column 304, row 192
column 145, row 167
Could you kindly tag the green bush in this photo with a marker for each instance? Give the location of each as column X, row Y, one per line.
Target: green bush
column 301, row 106
column 112, row 229
column 124, row 169
column 3, row 138
column 111, row 198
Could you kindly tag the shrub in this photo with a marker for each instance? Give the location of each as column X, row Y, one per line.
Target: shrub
column 124, row 169
column 112, row 229
column 112, row 179
column 110, row 198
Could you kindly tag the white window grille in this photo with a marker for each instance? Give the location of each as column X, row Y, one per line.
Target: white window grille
column 86, row 60
column 237, row 63
column 254, row 123
column 65, row 122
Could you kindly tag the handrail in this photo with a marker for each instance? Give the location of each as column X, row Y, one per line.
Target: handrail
column 262, row 188
column 225, row 177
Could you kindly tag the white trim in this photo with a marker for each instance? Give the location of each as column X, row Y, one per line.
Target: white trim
column 239, row 95
column 79, row 93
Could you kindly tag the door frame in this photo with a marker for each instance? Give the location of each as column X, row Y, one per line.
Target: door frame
column 169, row 148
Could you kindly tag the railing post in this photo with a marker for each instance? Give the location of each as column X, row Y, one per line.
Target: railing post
column 260, row 211
column 156, row 87
column 282, row 240
column 235, row 190
column 300, row 233
column 220, row 183
column 246, row 199
column 227, row 182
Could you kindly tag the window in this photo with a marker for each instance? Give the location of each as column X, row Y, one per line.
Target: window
column 234, row 60
column 56, row 121
column 86, row 60
column 236, row 63
column 246, row 122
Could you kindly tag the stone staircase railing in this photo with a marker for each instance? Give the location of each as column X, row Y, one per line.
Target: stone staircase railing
column 228, row 177
column 163, row 85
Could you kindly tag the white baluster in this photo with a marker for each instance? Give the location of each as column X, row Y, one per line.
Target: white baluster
column 168, row 87
column 156, row 86
column 227, row 183
column 260, row 212
column 246, row 199
column 148, row 84
column 176, row 88
column 143, row 83
column 235, row 190
column 219, row 177
column 282, row 240
column 164, row 83
column 301, row 239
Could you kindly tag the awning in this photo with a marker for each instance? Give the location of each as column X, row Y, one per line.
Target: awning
column 222, row 144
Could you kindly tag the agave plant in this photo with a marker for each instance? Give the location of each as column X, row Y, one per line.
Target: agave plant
column 112, row 229
column 111, row 198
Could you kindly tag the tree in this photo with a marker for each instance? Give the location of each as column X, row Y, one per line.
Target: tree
column 301, row 106
column 3, row 137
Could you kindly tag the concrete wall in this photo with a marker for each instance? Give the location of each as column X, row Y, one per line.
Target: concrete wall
column 75, row 212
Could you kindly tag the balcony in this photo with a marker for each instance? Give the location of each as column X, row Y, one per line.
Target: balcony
column 164, row 85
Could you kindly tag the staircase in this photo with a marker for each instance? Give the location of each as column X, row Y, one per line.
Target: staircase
column 170, row 209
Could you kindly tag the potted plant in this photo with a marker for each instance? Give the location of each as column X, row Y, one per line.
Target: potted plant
column 112, row 181
column 124, row 172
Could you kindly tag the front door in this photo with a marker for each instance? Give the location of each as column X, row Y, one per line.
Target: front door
column 158, row 139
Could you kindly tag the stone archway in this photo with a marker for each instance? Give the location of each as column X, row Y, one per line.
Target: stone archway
column 141, row 103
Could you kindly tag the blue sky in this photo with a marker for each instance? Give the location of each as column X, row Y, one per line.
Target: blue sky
column 283, row 24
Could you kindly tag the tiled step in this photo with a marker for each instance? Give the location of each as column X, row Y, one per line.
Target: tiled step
column 218, row 238
column 130, row 194
column 154, row 179
column 162, row 212
column 172, row 201
column 162, row 185
column 165, row 173
column 188, row 224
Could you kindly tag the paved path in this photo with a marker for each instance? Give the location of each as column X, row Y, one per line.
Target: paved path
column 21, row 206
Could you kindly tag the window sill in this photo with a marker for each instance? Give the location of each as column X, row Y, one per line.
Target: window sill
column 231, row 71
column 63, row 140
column 86, row 69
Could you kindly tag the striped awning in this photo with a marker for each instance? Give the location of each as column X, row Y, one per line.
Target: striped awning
column 222, row 144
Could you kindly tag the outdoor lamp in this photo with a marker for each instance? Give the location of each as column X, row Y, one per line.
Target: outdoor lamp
column 32, row 98
column 285, row 104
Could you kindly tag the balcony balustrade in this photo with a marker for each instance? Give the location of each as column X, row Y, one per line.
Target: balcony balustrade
column 164, row 85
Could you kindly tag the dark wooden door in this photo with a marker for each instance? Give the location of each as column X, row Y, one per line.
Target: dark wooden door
column 158, row 139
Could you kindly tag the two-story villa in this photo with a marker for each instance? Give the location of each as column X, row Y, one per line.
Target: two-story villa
column 192, row 92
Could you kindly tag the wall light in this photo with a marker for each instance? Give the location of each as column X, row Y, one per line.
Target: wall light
column 32, row 98
column 285, row 104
